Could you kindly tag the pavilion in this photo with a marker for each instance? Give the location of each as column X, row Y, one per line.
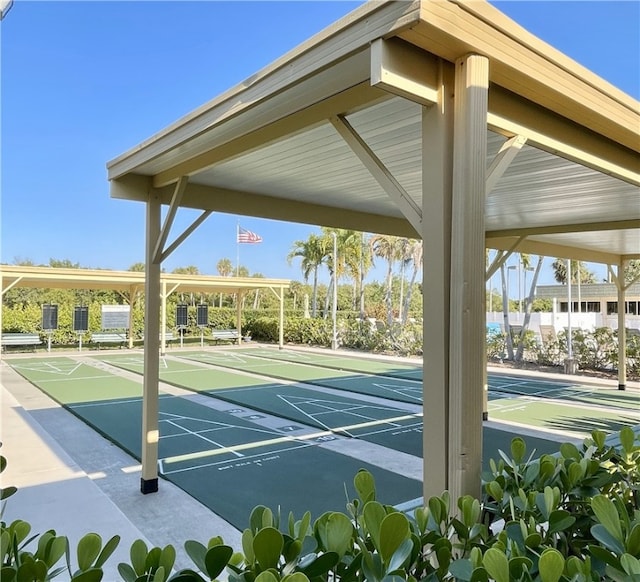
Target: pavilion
column 437, row 119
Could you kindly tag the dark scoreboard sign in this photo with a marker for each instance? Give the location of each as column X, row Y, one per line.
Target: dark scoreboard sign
column 49, row 317
column 81, row 318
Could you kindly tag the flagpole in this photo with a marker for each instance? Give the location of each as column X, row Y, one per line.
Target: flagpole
column 238, row 249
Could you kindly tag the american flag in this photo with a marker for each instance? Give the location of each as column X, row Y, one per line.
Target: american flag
column 246, row 236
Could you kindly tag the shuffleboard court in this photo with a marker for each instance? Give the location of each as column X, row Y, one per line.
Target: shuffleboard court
column 340, row 362
column 228, row 463
column 400, row 389
column 386, row 425
column 569, row 391
column 68, row 381
column 561, row 415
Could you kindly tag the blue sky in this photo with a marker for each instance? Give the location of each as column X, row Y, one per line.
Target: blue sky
column 82, row 82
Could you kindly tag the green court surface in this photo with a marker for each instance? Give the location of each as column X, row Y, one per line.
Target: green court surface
column 399, row 389
column 68, row 381
column 223, row 459
column 339, row 362
column 580, row 394
column 561, row 415
column 386, row 425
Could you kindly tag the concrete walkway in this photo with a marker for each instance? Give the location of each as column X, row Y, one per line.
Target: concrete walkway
column 71, row 479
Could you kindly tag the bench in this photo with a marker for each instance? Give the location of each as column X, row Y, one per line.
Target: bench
column 101, row 337
column 221, row 335
column 20, row 339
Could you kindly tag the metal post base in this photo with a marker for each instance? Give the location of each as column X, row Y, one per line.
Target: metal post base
column 485, row 416
column 148, row 485
column 622, row 386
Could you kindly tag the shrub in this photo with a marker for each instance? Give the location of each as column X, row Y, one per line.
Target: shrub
column 569, row 517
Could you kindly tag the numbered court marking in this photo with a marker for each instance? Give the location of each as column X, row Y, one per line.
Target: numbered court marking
column 57, row 367
column 241, row 451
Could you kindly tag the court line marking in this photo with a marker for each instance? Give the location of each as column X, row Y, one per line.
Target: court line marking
column 222, row 447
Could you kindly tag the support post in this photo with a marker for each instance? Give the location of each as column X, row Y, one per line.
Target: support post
column 281, row 322
column 163, row 319
column 239, row 317
column 468, row 304
column 150, row 430
column 437, row 163
column 622, row 327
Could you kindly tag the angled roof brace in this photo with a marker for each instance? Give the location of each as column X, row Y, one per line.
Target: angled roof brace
column 503, row 159
column 379, row 171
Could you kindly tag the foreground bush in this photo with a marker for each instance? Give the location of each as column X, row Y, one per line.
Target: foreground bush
column 573, row 516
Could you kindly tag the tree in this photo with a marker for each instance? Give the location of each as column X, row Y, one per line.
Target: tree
column 63, row 264
column 225, row 269
column 632, row 271
column 386, row 247
column 579, row 274
column 528, row 304
column 415, row 254
column 190, row 270
column 137, row 267
column 312, row 253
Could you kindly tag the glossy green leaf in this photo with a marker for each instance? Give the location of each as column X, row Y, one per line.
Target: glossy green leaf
column 339, row 532
column 126, row 572
column 401, row 555
column 570, row 451
column 108, row 549
column 216, row 560
column 266, row 577
column 196, row 551
column 607, row 515
column 7, row 574
column 479, row 575
column 138, row 554
column 295, row 577
column 167, row 558
column 518, row 449
column 6, row 492
column 267, row 547
column 247, row 547
column 394, row 530
column 518, row 565
column 630, row 564
column 153, row 559
column 372, row 514
column 627, row 437
column 365, row 486
column 560, row 520
column 461, row 569
column 159, row 575
column 88, row 550
column 92, row 575
column 632, row 544
column 551, row 565
column 321, row 565
column 57, row 549
column 496, row 564
column 494, row 489
column 187, row 576
column 600, row 533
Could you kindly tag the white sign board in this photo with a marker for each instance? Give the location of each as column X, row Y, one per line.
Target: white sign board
column 115, row 316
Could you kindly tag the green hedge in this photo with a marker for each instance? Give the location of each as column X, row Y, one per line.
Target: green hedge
column 569, row 517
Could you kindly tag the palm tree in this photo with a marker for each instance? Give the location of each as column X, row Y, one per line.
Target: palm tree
column 526, row 262
column 225, row 269
column 581, row 274
column 256, row 297
column 312, row 253
column 348, row 244
column 386, row 247
column 415, row 253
